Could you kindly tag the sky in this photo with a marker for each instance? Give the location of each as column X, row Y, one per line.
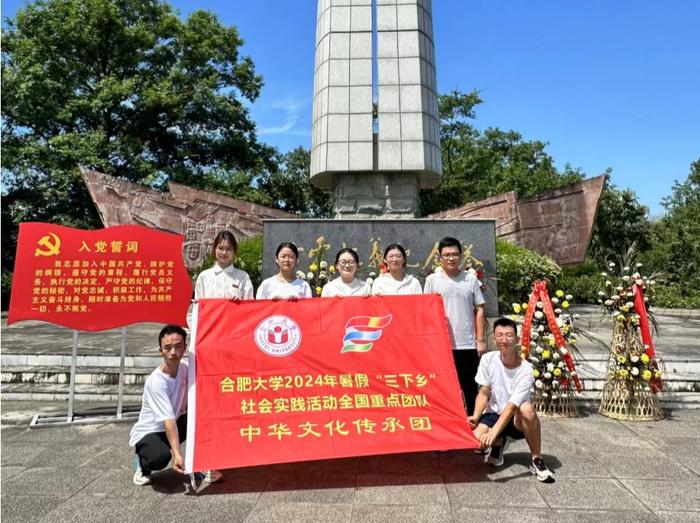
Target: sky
column 605, row 84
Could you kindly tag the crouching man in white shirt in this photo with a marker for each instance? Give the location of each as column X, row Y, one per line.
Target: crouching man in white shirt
column 503, row 409
column 162, row 423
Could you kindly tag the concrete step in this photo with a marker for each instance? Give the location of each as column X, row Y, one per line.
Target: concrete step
column 59, row 392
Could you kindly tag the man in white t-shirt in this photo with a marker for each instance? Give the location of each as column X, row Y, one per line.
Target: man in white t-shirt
column 162, row 423
column 503, row 409
column 464, row 308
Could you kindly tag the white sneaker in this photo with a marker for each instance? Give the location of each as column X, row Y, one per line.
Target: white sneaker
column 140, row 479
column 212, row 476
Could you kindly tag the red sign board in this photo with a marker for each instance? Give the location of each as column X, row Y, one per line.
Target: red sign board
column 321, row 378
column 101, row 279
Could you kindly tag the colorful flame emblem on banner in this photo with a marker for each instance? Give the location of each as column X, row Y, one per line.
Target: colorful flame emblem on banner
column 362, row 331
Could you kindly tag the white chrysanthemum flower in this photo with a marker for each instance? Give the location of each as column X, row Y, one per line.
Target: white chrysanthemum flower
column 634, row 359
column 635, row 371
column 539, row 350
column 608, row 303
column 604, row 274
column 555, row 356
column 540, row 328
column 629, row 304
column 534, row 360
column 557, row 311
column 625, row 268
column 323, row 264
column 539, row 384
column 569, row 297
column 550, row 367
column 640, row 265
column 539, row 315
column 611, row 264
column 555, row 300
column 625, row 278
column 369, row 281
column 535, row 335
column 309, row 275
column 533, row 344
column 300, row 275
column 560, row 364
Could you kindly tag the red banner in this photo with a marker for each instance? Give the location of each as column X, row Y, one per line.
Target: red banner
column 101, row 279
column 321, row 378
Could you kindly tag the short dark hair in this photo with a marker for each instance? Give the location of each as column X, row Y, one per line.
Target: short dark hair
column 171, row 329
column 224, row 236
column 288, row 245
column 398, row 247
column 449, row 241
column 346, row 250
column 505, row 322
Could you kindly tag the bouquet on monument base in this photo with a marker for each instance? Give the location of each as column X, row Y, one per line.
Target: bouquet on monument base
column 547, row 342
column 633, row 377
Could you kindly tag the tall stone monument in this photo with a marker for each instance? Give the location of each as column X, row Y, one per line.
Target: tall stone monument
column 375, row 133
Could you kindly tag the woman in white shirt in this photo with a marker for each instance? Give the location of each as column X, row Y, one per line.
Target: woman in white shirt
column 223, row 280
column 346, row 263
column 395, row 281
column 284, row 285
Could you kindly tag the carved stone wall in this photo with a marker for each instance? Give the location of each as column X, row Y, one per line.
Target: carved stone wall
column 197, row 215
column 556, row 223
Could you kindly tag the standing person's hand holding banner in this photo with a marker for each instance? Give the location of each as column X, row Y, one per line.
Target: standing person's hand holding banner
column 279, row 382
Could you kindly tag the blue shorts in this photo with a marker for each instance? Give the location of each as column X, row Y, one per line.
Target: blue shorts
column 510, row 431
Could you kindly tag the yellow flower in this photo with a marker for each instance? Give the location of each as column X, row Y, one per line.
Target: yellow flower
column 331, row 269
column 524, row 306
column 565, row 304
column 646, row 375
column 516, row 308
column 546, row 354
column 644, row 358
column 536, row 373
column 559, row 293
column 551, row 342
column 657, row 374
column 318, row 290
column 623, row 373
column 621, row 360
column 313, row 267
column 557, row 372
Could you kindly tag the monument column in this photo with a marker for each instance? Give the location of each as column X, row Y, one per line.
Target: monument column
column 375, row 133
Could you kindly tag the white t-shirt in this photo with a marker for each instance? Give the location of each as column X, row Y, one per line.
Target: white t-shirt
column 223, row 283
column 387, row 285
column 507, row 385
column 339, row 288
column 163, row 398
column 274, row 287
column 460, row 295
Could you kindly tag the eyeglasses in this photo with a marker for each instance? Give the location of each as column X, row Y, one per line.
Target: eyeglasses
column 450, row 255
column 347, row 263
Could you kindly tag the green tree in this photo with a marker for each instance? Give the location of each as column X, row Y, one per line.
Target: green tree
column 676, row 236
column 480, row 164
column 291, row 190
column 127, row 88
column 621, row 221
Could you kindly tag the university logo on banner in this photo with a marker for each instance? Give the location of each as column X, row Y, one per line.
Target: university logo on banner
column 278, row 335
column 99, row 279
column 276, row 381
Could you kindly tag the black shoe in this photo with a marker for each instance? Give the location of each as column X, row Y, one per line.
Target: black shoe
column 495, row 456
column 539, row 469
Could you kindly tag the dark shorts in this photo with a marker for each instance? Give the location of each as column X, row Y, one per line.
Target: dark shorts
column 490, row 418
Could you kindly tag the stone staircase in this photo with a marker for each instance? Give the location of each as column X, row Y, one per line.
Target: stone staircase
column 42, row 371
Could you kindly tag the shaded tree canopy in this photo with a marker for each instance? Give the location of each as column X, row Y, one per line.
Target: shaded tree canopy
column 124, row 87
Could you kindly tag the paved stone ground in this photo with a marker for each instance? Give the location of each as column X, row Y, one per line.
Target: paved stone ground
column 606, row 470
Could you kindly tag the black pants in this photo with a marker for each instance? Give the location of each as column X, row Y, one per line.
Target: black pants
column 467, row 363
column 153, row 449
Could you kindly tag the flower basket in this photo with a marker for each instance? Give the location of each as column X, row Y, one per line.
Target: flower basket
column 625, row 397
column 632, row 378
column 546, row 331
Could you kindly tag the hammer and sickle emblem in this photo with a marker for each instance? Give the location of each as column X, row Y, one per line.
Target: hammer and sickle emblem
column 52, row 248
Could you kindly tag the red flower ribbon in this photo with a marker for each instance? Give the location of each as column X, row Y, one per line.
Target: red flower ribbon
column 539, row 293
column 640, row 306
